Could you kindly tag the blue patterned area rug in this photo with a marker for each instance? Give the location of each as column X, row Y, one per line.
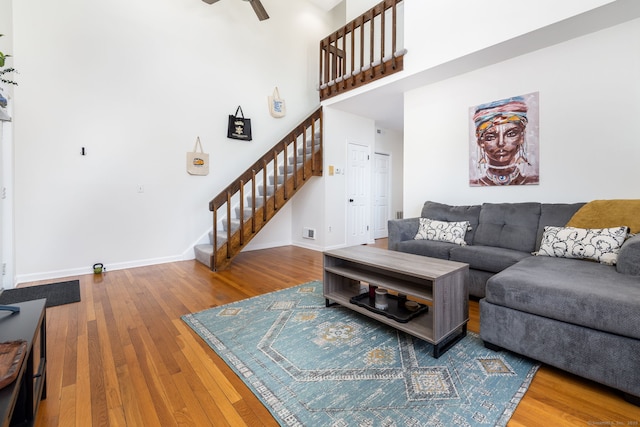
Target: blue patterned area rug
column 316, row 366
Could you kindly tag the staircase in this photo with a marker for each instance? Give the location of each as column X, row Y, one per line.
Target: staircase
column 363, row 51
column 242, row 209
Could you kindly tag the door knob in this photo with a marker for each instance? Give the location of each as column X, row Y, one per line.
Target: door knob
column 350, row 200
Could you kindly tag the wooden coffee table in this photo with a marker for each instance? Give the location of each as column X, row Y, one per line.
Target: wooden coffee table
column 441, row 284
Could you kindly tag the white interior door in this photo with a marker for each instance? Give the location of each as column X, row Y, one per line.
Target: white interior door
column 358, row 194
column 6, row 207
column 381, row 194
column 2, row 198
column 6, row 233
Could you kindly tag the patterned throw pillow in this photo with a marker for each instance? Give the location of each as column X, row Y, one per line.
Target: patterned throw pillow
column 598, row 244
column 442, row 231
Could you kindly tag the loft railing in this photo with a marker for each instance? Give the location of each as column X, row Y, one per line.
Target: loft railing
column 249, row 202
column 364, row 50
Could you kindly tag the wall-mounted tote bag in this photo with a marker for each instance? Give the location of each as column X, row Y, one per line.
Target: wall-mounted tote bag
column 239, row 127
column 198, row 161
column 277, row 107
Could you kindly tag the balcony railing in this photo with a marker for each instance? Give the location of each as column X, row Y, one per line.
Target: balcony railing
column 366, row 49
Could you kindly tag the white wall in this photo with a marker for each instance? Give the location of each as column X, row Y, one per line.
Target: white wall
column 6, row 231
column 330, row 221
column 588, row 89
column 6, row 127
column 309, row 206
column 277, row 232
column 135, row 83
column 438, row 31
column 354, row 8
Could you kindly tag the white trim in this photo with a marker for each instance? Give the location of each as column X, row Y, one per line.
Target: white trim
column 333, row 247
column 307, row 246
column 89, row 270
column 389, row 190
column 256, row 247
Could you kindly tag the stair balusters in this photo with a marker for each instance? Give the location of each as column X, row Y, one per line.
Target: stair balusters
column 225, row 245
column 351, row 53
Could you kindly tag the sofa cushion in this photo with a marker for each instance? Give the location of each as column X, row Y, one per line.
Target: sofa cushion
column 486, row 258
column 557, row 214
column 402, row 229
column 629, row 257
column 574, row 291
column 442, row 231
column 428, row 248
column 508, row 225
column 597, row 244
column 443, row 212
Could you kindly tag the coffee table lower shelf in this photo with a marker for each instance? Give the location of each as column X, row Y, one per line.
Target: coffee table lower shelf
column 420, row 326
column 395, row 309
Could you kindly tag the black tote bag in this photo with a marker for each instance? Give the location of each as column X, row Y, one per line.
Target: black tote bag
column 239, row 127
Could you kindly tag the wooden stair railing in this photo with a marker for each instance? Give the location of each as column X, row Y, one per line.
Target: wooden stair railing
column 362, row 51
column 266, row 186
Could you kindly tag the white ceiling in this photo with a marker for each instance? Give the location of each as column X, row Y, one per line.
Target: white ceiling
column 385, row 105
column 326, row 4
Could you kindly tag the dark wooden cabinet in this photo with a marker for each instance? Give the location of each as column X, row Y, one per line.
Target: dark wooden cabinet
column 19, row 400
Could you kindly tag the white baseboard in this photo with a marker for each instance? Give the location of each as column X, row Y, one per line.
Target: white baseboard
column 255, row 247
column 306, row 245
column 185, row 256
column 49, row 275
column 330, row 248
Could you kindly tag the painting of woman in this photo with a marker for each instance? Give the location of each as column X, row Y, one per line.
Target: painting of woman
column 504, row 142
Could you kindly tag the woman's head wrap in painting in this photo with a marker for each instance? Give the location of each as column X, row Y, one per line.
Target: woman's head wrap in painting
column 510, row 110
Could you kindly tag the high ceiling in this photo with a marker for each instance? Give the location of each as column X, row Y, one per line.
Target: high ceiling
column 326, row 4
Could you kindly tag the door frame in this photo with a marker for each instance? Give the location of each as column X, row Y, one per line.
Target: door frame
column 389, row 191
column 349, row 231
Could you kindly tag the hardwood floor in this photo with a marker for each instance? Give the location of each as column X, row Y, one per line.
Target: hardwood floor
column 123, row 357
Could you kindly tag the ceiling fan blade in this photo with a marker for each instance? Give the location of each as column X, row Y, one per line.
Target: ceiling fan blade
column 259, row 9
column 210, row 1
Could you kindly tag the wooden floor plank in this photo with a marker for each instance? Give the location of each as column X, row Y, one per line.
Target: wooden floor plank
column 193, row 414
column 195, row 355
column 83, row 391
column 70, row 345
column 99, row 410
column 130, row 408
column 155, row 380
column 56, row 338
column 141, row 397
column 123, row 357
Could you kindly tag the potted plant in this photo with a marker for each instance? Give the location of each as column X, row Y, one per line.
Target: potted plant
column 3, row 74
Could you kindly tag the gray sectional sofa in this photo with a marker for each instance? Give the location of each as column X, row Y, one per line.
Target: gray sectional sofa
column 577, row 315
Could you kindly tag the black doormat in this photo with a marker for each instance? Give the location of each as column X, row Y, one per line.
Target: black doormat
column 55, row 293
